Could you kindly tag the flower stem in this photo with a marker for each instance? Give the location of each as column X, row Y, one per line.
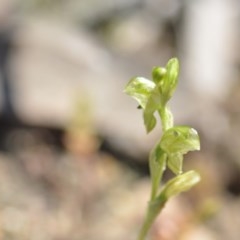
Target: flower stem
column 154, row 208
column 157, row 165
column 166, row 118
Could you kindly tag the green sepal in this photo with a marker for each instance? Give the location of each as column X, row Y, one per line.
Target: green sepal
column 177, row 141
column 140, row 89
column 180, row 139
column 169, row 83
column 149, row 121
column 175, row 162
column 153, row 104
column 180, row 183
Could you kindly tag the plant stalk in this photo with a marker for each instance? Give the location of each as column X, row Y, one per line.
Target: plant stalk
column 154, row 208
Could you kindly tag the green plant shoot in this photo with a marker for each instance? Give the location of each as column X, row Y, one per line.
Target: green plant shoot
column 153, row 96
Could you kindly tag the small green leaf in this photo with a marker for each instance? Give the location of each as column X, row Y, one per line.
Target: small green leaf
column 140, row 89
column 173, row 187
column 180, row 139
column 180, row 183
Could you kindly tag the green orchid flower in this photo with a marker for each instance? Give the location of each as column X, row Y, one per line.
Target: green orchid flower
column 153, row 95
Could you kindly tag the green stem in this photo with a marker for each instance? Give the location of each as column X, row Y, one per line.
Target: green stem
column 166, row 118
column 157, row 168
column 154, row 208
column 157, row 165
column 144, row 230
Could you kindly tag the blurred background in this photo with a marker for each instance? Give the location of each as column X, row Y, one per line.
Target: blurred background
column 73, row 148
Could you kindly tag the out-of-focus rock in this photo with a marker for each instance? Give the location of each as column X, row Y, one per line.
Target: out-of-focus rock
column 227, row 221
column 209, row 41
column 168, row 10
column 87, row 12
column 53, row 67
